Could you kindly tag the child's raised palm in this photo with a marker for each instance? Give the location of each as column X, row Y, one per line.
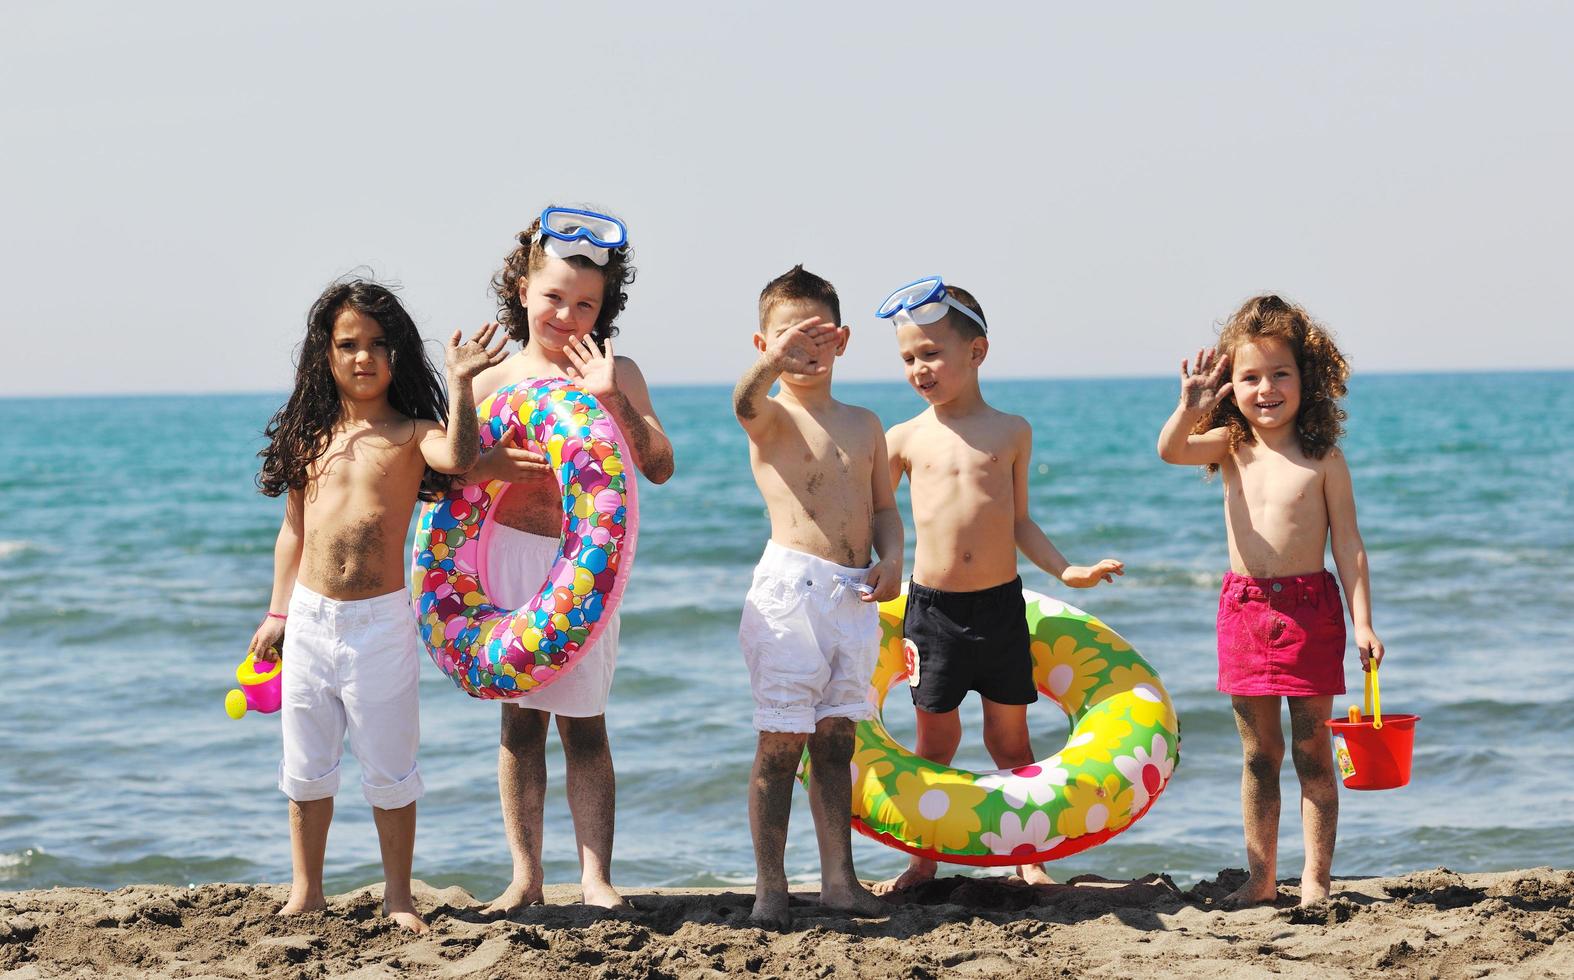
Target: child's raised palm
column 1200, row 389
column 806, row 347
column 468, row 359
column 592, row 367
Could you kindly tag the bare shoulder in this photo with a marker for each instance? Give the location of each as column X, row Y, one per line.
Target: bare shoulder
column 997, row 430
column 1334, row 464
column 625, row 368
column 864, row 418
column 490, row 379
column 898, row 434
column 428, row 429
column 1014, row 427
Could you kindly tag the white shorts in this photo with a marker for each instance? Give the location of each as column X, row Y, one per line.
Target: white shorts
column 516, row 568
column 351, row 666
column 809, row 640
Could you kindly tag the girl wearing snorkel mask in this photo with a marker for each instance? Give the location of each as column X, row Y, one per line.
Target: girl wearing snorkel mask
column 559, row 292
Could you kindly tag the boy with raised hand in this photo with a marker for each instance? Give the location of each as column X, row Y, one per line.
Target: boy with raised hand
column 811, row 630
column 966, row 621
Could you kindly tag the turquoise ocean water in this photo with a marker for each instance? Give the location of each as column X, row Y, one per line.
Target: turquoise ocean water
column 136, row 559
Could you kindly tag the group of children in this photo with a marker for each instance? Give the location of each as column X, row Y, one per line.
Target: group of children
column 366, row 433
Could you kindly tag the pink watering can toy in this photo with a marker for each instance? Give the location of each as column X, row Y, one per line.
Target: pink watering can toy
column 258, row 692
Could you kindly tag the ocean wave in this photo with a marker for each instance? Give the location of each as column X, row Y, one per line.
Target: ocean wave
column 15, row 865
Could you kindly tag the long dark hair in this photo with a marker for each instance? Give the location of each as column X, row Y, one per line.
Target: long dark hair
column 300, row 431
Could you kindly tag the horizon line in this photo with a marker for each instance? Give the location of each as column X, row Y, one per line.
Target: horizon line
column 727, row 384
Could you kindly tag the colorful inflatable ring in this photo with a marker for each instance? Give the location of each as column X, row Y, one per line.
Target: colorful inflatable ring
column 1123, row 747
column 490, row 652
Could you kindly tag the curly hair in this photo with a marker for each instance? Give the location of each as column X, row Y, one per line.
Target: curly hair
column 529, row 256
column 300, row 431
column 1319, row 422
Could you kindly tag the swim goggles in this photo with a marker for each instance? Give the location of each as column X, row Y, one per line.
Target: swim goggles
column 567, row 231
column 923, row 302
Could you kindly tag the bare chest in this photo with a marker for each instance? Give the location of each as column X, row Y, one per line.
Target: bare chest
column 942, row 465
column 821, row 458
column 368, row 461
column 1278, row 490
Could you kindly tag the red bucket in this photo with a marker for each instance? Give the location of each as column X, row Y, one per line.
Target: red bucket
column 1374, row 753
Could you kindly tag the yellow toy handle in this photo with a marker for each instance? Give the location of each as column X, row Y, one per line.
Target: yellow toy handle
column 1374, row 698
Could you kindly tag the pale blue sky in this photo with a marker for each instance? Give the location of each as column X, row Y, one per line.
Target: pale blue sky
column 179, row 180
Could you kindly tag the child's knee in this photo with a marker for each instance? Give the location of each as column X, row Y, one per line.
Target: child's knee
column 523, row 728
column 1008, row 745
column 583, row 737
column 833, row 741
column 1262, row 762
column 780, row 752
column 1314, row 761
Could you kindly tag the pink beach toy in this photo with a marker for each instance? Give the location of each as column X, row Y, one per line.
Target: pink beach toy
column 258, row 692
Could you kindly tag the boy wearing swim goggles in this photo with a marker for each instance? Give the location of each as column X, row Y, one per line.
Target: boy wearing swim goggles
column 966, row 622
column 811, row 627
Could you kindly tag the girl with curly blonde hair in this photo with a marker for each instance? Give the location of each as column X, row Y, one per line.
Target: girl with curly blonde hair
column 1271, row 426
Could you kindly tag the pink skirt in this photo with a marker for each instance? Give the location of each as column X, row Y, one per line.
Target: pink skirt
column 1281, row 636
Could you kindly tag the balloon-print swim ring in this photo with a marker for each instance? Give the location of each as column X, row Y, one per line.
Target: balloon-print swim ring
column 491, row 652
column 1123, row 746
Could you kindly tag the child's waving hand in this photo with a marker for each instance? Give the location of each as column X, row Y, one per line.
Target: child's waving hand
column 1087, row 576
column 806, row 347
column 593, row 367
column 1200, row 389
column 468, row 359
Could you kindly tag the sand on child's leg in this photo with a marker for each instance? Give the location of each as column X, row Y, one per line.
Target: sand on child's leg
column 830, row 801
column 396, row 839
column 939, row 734
column 770, row 804
column 1312, row 750
column 1262, row 752
column 521, row 786
column 309, row 820
column 592, row 801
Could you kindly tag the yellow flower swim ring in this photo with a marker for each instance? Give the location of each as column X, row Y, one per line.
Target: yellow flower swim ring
column 1122, row 749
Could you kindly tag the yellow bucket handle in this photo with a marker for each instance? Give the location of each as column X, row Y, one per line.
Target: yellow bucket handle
column 1374, row 698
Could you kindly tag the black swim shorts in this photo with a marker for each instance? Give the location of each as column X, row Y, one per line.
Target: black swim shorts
column 968, row 641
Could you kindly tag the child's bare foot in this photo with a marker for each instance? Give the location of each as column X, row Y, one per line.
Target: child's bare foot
column 602, row 895
column 304, row 900
column 917, row 873
column 406, row 917
column 1250, row 894
column 516, row 896
column 1034, row 874
column 1313, row 892
column 853, row 898
column 770, row 909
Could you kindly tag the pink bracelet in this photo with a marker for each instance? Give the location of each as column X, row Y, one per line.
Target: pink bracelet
column 274, row 615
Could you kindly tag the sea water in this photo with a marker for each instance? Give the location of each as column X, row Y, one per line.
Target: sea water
column 136, row 559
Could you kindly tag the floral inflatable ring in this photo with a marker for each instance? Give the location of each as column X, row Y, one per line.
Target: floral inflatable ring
column 496, row 653
column 1122, row 749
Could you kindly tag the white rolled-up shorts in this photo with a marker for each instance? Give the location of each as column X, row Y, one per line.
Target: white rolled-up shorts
column 351, row 667
column 516, row 568
column 809, row 640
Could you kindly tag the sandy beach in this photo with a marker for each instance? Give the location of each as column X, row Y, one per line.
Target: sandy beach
column 1427, row 924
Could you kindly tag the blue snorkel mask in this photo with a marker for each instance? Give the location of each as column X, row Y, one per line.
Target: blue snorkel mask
column 922, row 303
column 568, row 231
